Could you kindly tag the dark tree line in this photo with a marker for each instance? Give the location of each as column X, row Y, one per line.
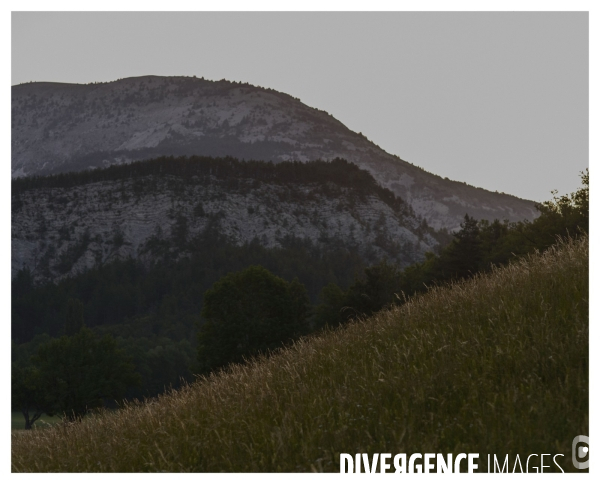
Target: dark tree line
column 476, row 247
column 338, row 172
column 153, row 312
column 169, row 292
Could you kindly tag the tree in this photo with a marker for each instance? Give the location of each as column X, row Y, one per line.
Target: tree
column 462, row 257
column 31, row 393
column 249, row 312
column 330, row 310
column 77, row 373
column 376, row 289
column 565, row 215
column 575, row 206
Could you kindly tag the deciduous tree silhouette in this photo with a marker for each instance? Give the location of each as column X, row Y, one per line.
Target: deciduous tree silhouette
column 249, row 312
column 83, row 370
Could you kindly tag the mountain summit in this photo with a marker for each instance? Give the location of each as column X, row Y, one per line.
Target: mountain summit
column 59, row 127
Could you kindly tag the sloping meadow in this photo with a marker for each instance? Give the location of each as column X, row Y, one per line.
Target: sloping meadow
column 494, row 365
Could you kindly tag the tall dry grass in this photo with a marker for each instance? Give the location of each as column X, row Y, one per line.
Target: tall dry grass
column 497, row 364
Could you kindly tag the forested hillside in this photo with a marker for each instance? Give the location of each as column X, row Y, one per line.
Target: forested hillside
column 154, row 311
column 161, row 209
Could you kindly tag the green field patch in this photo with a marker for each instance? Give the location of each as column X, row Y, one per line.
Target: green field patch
column 18, row 421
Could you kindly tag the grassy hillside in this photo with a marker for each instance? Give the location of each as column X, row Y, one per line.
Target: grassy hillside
column 497, row 364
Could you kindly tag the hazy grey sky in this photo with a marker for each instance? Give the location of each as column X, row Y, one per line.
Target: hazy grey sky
column 499, row 100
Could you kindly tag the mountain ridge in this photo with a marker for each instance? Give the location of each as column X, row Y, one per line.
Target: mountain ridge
column 59, row 127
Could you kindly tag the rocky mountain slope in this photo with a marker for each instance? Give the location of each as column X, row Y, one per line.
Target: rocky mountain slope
column 63, row 127
column 66, row 224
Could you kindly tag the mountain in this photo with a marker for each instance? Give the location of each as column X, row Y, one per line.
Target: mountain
column 65, row 224
column 60, row 127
